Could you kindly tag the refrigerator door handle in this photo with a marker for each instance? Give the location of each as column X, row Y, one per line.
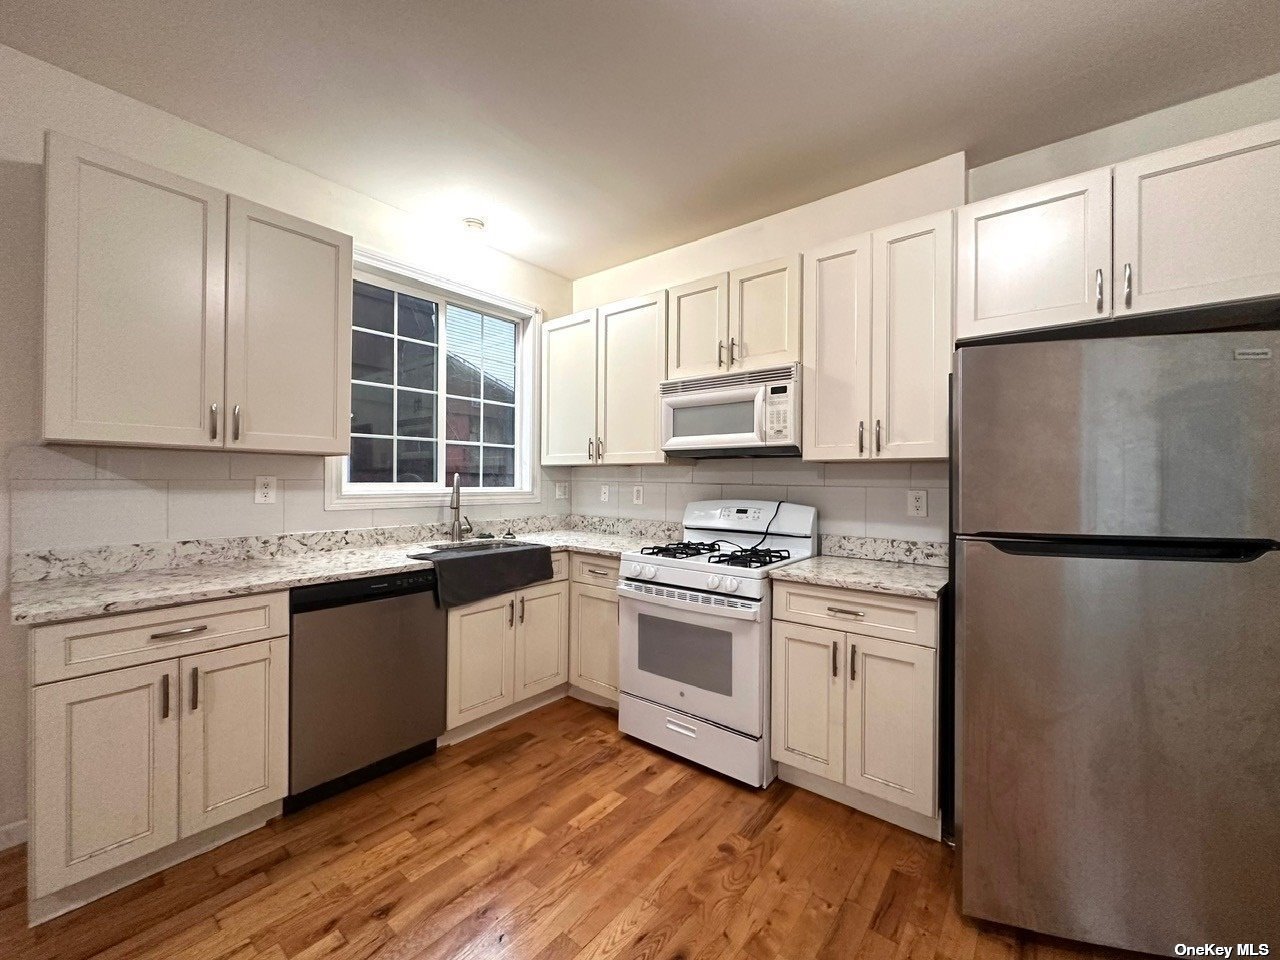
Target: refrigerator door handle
column 1198, row 549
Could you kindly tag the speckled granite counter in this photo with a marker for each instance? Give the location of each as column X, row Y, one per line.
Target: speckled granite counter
column 877, row 576
column 75, row 598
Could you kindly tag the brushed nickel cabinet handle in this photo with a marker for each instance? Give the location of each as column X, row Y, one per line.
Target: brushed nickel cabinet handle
column 1128, row 284
column 591, row 449
column 835, row 659
column 522, row 609
column 1098, row 278
column 733, row 350
column 853, row 662
column 235, row 422
column 878, row 436
column 184, row 632
column 599, row 447
column 862, row 436
column 841, row 611
column 598, row 573
column 720, row 354
column 195, row 688
column 164, row 697
column 511, row 614
column 213, row 421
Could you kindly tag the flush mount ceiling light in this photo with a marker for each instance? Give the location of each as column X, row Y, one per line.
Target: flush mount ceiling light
column 473, row 224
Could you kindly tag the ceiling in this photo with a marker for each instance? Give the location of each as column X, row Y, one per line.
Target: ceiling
column 592, row 132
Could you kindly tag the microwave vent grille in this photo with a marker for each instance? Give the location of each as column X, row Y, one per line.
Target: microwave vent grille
column 746, row 378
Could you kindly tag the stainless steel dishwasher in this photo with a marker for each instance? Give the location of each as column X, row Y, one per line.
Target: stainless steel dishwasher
column 368, row 662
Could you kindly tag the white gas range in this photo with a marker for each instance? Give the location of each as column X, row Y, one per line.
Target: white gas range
column 694, row 625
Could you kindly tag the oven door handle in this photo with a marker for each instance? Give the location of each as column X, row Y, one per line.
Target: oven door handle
column 636, row 592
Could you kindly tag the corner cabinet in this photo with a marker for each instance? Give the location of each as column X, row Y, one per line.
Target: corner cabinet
column 1039, row 257
column 1199, row 223
column 877, row 343
column 600, row 374
column 177, row 316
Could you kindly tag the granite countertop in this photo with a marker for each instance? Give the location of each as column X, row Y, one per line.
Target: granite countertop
column 77, row 598
column 876, row 576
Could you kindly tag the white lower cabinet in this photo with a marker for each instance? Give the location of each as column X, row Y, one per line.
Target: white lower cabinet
column 856, row 709
column 128, row 761
column 593, row 642
column 506, row 649
column 104, row 772
column 234, row 742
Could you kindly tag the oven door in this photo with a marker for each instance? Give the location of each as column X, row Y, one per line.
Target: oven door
column 717, row 418
column 676, row 653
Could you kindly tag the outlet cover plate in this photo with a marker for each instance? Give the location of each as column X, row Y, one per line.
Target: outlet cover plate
column 917, row 503
column 604, row 493
column 637, row 494
column 264, row 489
column 562, row 490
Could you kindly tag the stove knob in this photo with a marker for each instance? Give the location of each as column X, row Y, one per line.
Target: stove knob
column 649, row 571
column 731, row 584
column 634, row 569
column 713, row 582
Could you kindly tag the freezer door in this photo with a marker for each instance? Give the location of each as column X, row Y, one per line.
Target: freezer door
column 1145, row 436
column 1119, row 737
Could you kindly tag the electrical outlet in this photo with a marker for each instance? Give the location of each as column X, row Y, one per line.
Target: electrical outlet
column 562, row 490
column 917, row 503
column 604, row 493
column 264, row 489
column 637, row 494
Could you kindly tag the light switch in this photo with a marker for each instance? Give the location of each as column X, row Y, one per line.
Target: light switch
column 917, row 503
column 637, row 494
column 562, row 490
column 264, row 489
column 604, row 493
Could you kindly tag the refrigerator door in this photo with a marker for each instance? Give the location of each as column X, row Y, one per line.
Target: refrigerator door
column 1119, row 737
column 1144, row 436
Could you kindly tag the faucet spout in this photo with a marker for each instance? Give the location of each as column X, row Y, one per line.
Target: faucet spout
column 455, row 506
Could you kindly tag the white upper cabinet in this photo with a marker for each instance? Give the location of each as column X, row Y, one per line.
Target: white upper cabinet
column 135, row 262
column 911, row 338
column 288, row 333
column 569, row 389
column 835, row 394
column 764, row 314
column 1200, row 223
column 698, row 327
column 1039, row 257
column 632, row 350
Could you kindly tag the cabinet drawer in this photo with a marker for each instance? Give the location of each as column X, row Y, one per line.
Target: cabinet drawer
column 598, row 570
column 870, row 614
column 63, row 650
column 705, row 743
column 559, row 566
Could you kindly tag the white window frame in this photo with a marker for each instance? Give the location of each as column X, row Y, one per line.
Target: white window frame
column 377, row 269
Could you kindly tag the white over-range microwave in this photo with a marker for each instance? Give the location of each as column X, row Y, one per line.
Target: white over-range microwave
column 733, row 415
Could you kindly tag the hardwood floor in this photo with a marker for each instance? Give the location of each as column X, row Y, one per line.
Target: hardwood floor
column 548, row 838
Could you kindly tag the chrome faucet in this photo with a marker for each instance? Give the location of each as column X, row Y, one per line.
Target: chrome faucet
column 459, row 528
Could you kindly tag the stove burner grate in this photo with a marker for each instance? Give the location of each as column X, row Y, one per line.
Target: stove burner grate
column 680, row 551
column 751, row 557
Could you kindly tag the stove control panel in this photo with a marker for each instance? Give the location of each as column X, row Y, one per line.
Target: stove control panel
column 742, row 514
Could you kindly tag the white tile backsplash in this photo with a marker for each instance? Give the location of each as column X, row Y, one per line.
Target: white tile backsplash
column 841, row 510
column 40, row 462
column 866, row 474
column 722, row 471
column 86, row 513
column 655, row 501
column 931, row 473
column 585, row 497
column 129, row 463
column 246, row 466
column 204, row 509
column 680, row 495
column 791, row 472
column 304, row 509
column 887, row 515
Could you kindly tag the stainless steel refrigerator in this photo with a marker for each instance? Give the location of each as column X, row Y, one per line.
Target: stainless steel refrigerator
column 1117, row 518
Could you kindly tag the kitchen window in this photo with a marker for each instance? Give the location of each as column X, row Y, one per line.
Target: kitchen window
column 440, row 384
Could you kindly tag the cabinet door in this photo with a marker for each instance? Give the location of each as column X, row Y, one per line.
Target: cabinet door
column 482, row 641
column 104, row 788
column 764, row 314
column 1035, row 258
column 235, row 732
column 569, row 389
column 891, row 731
column 135, row 263
column 1200, row 223
column 837, row 350
column 808, row 699
column 288, row 333
column 911, row 338
column 593, row 639
column 698, row 327
column 632, row 352
column 542, row 638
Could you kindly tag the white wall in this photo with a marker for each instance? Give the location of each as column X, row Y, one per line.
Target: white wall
column 71, row 496
column 913, row 193
column 1208, row 116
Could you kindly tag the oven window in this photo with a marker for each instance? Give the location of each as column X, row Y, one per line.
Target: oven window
column 687, row 653
column 714, row 419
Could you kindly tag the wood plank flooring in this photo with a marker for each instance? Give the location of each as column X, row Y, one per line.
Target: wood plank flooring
column 548, row 838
